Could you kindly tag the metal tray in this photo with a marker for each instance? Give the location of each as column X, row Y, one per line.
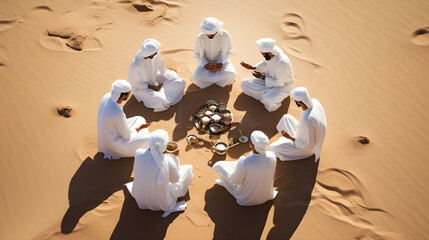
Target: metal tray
column 205, row 129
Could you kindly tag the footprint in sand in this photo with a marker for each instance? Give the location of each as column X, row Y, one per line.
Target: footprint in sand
column 39, row 14
column 7, row 24
column 3, row 56
column 420, row 37
column 42, row 8
column 341, row 195
column 295, row 41
column 154, row 12
column 76, row 31
column 177, row 60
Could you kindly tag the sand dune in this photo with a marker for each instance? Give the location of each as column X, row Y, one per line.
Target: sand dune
column 366, row 61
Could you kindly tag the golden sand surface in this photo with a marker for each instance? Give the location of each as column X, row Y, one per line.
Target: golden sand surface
column 365, row 61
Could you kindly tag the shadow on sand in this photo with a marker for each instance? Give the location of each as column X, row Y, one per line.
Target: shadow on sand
column 233, row 221
column 195, row 98
column 216, row 158
column 294, row 181
column 136, row 223
column 256, row 118
column 95, row 181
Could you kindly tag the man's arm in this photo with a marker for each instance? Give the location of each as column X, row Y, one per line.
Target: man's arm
column 162, row 68
column 121, row 126
column 144, row 125
column 197, row 52
column 228, row 43
column 261, row 66
column 247, row 66
column 287, row 135
column 283, row 76
column 173, row 168
column 239, row 174
column 305, row 136
column 134, row 78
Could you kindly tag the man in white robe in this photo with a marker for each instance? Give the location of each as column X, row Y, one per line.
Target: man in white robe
column 213, row 49
column 273, row 77
column 250, row 179
column 158, row 178
column 152, row 83
column 301, row 139
column 117, row 135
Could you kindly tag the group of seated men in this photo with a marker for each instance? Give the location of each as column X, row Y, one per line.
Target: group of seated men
column 159, row 88
column 159, row 178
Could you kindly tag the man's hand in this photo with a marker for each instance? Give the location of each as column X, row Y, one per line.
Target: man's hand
column 156, row 88
column 257, row 74
column 153, row 87
column 287, row 135
column 213, row 67
column 160, row 86
column 209, row 67
column 247, row 66
column 145, row 125
column 217, row 66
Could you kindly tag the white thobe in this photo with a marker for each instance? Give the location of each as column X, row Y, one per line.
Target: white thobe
column 146, row 190
column 144, row 72
column 309, row 134
column 277, row 84
column 117, row 135
column 216, row 50
column 250, row 179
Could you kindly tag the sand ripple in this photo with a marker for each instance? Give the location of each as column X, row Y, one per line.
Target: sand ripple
column 341, row 195
column 3, row 56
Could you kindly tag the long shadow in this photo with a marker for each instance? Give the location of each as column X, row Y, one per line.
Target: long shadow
column 216, row 158
column 136, row 223
column 294, row 181
column 95, row 181
column 256, row 118
column 233, row 221
column 195, row 98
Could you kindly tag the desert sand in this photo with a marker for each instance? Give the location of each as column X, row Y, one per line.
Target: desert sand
column 365, row 61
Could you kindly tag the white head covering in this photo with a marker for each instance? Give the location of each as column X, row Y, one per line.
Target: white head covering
column 119, row 86
column 268, row 45
column 149, row 47
column 301, row 94
column 210, row 25
column 157, row 145
column 260, row 141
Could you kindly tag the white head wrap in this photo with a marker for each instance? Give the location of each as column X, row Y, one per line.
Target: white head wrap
column 119, row 86
column 210, row 25
column 149, row 47
column 260, row 141
column 301, row 94
column 268, row 45
column 157, row 145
